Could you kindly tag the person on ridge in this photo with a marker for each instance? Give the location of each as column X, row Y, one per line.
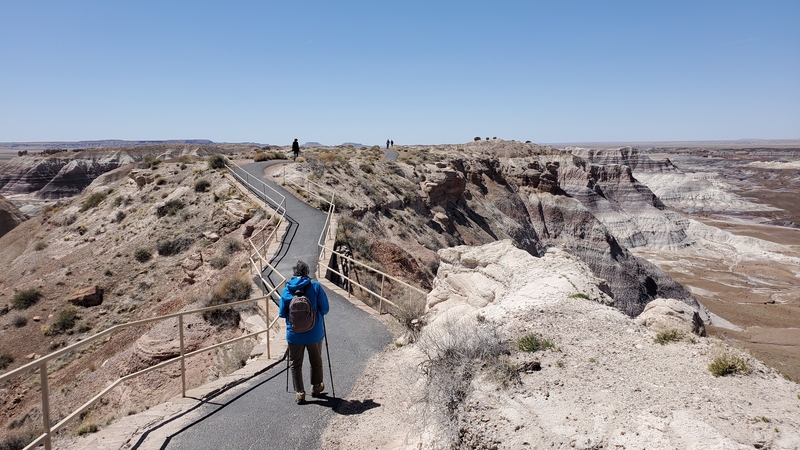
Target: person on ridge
column 295, row 149
column 310, row 340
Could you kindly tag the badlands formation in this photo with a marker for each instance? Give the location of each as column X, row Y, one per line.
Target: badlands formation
column 513, row 239
column 604, row 383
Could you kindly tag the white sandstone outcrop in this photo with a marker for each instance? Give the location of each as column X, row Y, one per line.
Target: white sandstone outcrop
column 604, row 384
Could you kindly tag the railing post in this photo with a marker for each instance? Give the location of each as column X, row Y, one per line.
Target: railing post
column 183, row 360
column 284, row 175
column 380, row 304
column 266, row 311
column 45, row 406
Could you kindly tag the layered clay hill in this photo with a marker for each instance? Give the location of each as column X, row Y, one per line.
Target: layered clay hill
column 724, row 227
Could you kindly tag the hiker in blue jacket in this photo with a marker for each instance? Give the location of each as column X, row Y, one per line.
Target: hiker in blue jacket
column 310, row 340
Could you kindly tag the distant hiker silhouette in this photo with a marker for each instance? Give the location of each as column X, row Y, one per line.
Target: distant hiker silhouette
column 387, row 144
column 392, row 143
column 303, row 299
column 295, row 149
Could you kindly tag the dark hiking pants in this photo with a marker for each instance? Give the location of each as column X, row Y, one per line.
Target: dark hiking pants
column 296, row 352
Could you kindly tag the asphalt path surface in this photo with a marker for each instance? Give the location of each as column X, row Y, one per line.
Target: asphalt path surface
column 260, row 413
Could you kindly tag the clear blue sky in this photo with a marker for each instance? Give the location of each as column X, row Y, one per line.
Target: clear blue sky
column 424, row 72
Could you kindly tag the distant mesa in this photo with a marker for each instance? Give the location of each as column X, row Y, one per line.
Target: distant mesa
column 312, row 144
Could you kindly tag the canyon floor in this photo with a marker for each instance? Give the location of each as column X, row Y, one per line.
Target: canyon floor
column 756, row 290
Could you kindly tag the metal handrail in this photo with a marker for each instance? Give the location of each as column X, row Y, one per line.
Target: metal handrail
column 322, row 249
column 41, row 363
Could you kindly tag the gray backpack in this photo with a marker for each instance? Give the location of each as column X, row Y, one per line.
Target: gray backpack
column 302, row 314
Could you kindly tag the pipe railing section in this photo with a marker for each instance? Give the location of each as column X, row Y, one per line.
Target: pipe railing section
column 259, row 246
column 323, row 253
column 41, row 364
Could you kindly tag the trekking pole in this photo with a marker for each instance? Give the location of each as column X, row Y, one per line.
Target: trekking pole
column 328, row 352
column 287, row 369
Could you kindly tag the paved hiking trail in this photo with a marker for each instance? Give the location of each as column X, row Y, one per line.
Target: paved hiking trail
column 259, row 413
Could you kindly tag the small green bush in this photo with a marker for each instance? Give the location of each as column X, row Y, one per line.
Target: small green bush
column 201, row 185
column 5, row 359
column 531, row 343
column 39, row 245
column 19, row 321
column 25, row 298
column 233, row 289
column 583, row 296
column 477, row 138
column 267, row 156
column 219, row 262
column 170, row 208
column 17, row 441
column 95, row 199
column 142, row 254
column 216, row 162
column 667, row 336
column 86, row 428
column 169, row 247
column 150, row 162
column 64, row 321
column 728, row 364
column 231, row 246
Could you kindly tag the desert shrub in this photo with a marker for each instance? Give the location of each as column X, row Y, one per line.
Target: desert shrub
column 63, row 322
column 142, row 254
column 170, row 208
column 5, row 359
column 185, row 159
column 19, row 321
column 86, row 428
column 95, row 199
column 169, row 247
column 728, row 364
column 410, row 307
column 149, row 162
column 233, row 289
column 216, row 162
column 666, row 336
column 25, row 298
column 39, row 245
column 477, row 138
column 366, row 168
column 531, row 343
column 327, row 157
column 231, row 246
column 17, row 441
column 267, row 156
column 453, row 353
column 219, row 262
column 201, row 185
column 120, row 200
column 120, row 216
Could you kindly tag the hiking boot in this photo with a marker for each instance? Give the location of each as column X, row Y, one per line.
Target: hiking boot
column 317, row 389
column 300, row 398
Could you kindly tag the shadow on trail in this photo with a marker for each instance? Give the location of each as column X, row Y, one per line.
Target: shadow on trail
column 199, row 405
column 342, row 406
column 337, row 405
